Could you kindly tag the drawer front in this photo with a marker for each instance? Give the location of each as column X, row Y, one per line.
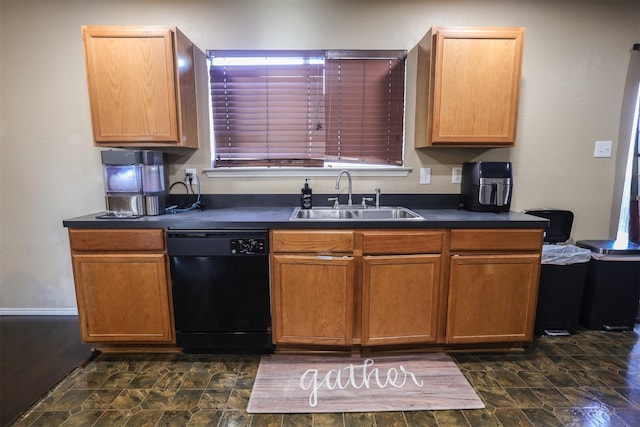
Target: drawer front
column 116, row 240
column 402, row 242
column 312, row 241
column 496, row 239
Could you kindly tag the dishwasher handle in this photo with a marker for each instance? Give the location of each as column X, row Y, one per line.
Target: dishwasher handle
column 179, row 233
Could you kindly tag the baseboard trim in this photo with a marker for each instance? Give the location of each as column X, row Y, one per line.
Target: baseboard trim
column 32, row 311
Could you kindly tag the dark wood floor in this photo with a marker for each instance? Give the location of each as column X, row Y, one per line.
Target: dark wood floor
column 36, row 353
column 589, row 379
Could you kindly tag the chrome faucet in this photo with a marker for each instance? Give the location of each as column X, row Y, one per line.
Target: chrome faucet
column 350, row 202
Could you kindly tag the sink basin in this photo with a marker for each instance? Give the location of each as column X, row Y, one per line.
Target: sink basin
column 353, row 213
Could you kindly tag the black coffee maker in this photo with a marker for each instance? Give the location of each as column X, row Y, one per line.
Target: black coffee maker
column 486, row 186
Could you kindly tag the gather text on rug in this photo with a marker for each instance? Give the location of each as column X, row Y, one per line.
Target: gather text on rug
column 355, row 376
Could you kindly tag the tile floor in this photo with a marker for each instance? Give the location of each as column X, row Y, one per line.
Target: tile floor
column 588, row 379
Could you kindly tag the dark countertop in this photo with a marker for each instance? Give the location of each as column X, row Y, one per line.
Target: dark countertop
column 278, row 217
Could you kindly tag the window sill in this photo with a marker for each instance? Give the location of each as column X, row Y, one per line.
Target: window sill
column 304, row 172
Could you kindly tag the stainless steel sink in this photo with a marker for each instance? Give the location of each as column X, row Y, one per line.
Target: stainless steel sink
column 354, row 213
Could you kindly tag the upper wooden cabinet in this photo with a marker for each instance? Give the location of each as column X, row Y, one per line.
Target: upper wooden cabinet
column 142, row 86
column 468, row 87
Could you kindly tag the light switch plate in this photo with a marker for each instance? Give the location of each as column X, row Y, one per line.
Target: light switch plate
column 456, row 175
column 425, row 175
column 603, row 149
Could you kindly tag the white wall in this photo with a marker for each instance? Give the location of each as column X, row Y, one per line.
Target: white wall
column 576, row 55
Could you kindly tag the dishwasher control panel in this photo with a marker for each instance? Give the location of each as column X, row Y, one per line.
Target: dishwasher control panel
column 247, row 246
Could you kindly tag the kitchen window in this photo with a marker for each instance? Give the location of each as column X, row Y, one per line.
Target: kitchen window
column 307, row 108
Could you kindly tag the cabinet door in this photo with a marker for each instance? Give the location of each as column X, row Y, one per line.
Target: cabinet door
column 132, row 84
column 312, row 299
column 400, row 296
column 492, row 298
column 123, row 298
column 474, row 86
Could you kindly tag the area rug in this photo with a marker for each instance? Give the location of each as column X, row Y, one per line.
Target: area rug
column 314, row 384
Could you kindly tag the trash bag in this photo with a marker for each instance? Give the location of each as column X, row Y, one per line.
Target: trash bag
column 564, row 254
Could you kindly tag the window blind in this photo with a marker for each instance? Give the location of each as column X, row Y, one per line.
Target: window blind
column 269, row 114
column 365, row 110
column 280, row 109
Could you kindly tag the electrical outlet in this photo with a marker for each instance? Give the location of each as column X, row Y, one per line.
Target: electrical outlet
column 456, row 175
column 190, row 172
column 603, row 149
column 425, row 175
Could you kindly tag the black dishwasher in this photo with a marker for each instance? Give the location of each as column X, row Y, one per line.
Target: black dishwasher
column 220, row 287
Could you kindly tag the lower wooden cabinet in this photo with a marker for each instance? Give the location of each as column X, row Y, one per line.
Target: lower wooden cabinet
column 122, row 286
column 493, row 285
column 431, row 288
column 492, row 298
column 400, row 298
column 312, row 299
column 348, row 287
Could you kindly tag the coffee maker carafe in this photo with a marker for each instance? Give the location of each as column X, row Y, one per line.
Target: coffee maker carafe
column 486, row 186
column 134, row 183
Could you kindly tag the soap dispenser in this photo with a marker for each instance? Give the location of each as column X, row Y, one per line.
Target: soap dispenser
column 305, row 197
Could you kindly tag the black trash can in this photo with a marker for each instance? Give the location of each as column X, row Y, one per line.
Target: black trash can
column 563, row 275
column 612, row 290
